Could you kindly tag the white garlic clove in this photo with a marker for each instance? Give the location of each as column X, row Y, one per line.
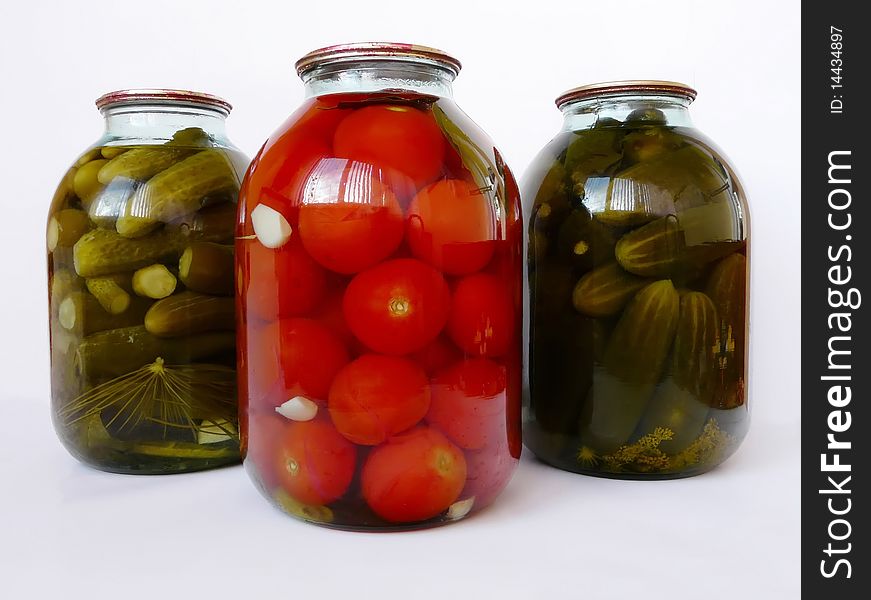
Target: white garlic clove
column 460, row 509
column 270, row 226
column 298, row 408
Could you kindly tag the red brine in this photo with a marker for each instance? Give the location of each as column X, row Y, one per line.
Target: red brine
column 378, row 262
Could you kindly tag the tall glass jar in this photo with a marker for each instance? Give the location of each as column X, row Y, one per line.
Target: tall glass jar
column 140, row 265
column 637, row 289
column 380, row 286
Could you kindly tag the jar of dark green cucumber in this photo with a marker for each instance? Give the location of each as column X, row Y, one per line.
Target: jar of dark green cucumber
column 141, row 282
column 637, row 288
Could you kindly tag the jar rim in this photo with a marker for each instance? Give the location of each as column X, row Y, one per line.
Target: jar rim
column 627, row 87
column 341, row 53
column 166, row 96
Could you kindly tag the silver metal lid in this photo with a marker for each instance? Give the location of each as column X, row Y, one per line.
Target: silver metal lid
column 377, row 51
column 628, row 87
column 163, row 96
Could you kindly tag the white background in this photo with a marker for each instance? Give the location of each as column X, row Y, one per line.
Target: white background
column 71, row 532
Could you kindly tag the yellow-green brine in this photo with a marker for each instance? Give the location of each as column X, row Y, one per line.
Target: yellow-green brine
column 140, row 244
column 637, row 272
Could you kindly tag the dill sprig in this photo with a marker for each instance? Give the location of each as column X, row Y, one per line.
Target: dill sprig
column 643, row 455
column 705, row 449
column 171, row 396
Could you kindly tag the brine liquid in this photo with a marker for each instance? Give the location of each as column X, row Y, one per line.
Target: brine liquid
column 637, row 283
column 379, row 268
column 143, row 365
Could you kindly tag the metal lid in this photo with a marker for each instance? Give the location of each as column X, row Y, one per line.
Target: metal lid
column 163, row 96
column 377, row 51
column 627, row 88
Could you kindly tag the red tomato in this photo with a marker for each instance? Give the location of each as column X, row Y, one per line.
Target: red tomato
column 468, row 403
column 398, row 306
column 331, row 314
column 413, row 477
column 399, row 137
column 313, row 463
column 481, row 322
column 284, row 282
column 350, row 219
column 377, row 396
column 437, row 355
column 293, row 357
column 281, row 168
column 452, row 226
column 489, row 471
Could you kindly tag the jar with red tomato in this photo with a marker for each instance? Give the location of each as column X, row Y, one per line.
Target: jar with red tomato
column 379, row 299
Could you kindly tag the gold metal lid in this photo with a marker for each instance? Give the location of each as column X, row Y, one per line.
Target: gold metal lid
column 163, row 96
column 626, row 88
column 377, row 51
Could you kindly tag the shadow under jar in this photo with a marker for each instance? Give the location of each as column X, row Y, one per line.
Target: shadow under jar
column 379, row 257
column 141, row 284
column 636, row 362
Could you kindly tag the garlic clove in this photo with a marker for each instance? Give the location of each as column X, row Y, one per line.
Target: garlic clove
column 298, row 408
column 270, row 226
column 460, row 509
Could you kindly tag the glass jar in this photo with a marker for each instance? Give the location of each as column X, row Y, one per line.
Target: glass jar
column 379, row 251
column 637, row 286
column 140, row 266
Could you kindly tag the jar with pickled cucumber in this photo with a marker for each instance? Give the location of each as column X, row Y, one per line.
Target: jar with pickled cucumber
column 637, row 270
column 141, row 285
column 380, row 283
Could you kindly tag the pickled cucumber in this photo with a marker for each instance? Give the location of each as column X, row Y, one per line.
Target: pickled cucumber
column 623, row 201
column 682, row 401
column 141, row 163
column 672, row 174
column 657, row 249
column 649, row 143
column 92, row 154
column 103, row 252
column 190, row 136
column 188, row 313
column 208, row 268
column 727, row 289
column 81, row 313
column 211, row 224
column 62, row 283
column 591, row 154
column 551, row 289
column 650, row 116
column 108, row 204
column 85, row 183
column 553, row 199
column 64, row 194
column 111, row 296
column 583, row 241
column 561, row 370
column 632, row 366
column 110, row 152
column 65, row 227
column 176, row 191
column 118, row 351
column 604, row 292
column 154, row 281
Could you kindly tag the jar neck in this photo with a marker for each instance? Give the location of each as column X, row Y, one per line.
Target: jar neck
column 378, row 76
column 663, row 110
column 157, row 123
